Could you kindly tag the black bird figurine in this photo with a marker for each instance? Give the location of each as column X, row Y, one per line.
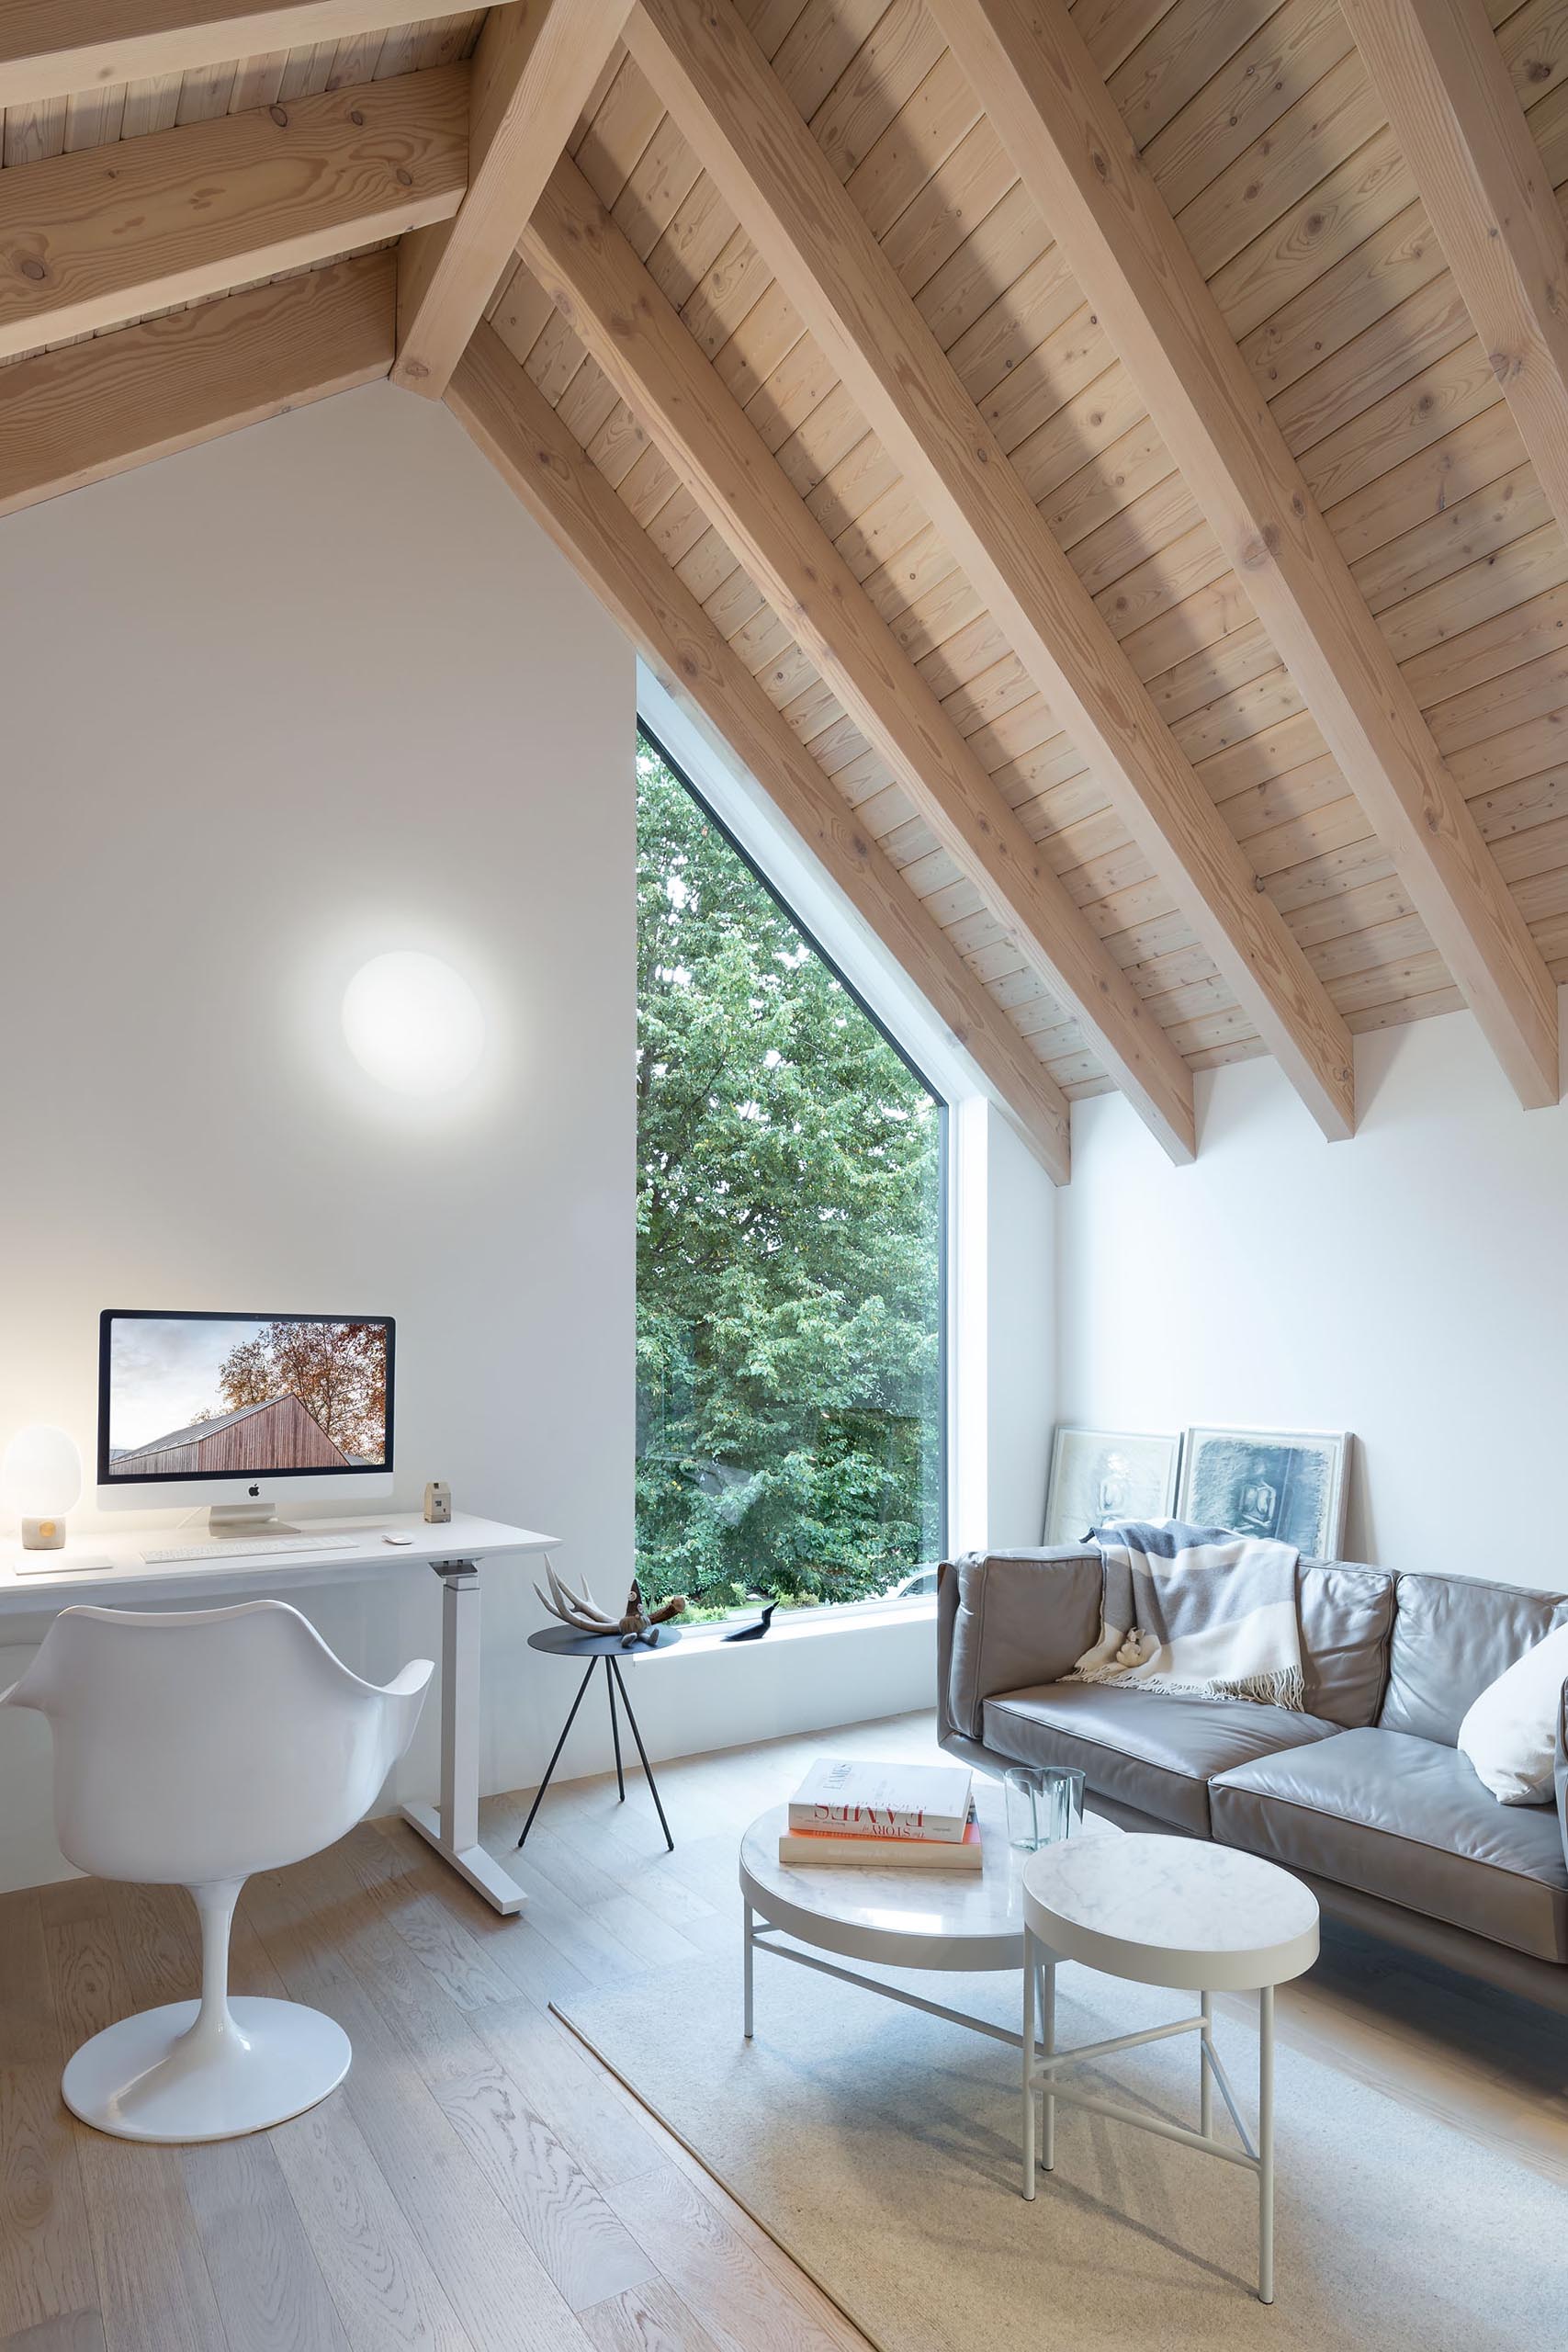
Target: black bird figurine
column 754, row 1633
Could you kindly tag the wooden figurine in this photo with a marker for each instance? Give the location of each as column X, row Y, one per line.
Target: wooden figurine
column 641, row 1623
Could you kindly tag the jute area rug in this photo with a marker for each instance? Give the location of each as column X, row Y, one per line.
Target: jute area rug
column 879, row 2147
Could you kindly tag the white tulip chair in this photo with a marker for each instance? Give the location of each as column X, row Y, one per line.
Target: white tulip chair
column 192, row 1749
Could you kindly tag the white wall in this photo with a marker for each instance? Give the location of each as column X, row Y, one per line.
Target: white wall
column 272, row 707
column 1411, row 1285
column 1022, row 1210
column 1004, row 1334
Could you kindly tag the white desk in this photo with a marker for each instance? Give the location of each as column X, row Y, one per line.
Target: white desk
column 456, row 1553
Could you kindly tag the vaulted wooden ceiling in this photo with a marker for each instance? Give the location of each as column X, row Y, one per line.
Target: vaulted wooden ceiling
column 1102, row 470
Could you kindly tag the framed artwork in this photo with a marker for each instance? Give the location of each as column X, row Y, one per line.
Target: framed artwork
column 1291, row 1484
column 1108, row 1473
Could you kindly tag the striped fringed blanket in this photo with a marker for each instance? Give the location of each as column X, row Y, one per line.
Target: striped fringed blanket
column 1197, row 1613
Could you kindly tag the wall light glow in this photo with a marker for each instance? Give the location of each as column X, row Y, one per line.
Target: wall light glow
column 413, row 1023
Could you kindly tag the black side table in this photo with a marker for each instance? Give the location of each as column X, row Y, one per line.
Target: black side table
column 563, row 1643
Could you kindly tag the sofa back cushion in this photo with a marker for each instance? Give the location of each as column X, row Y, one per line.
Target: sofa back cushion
column 1019, row 1617
column 1453, row 1636
column 1346, row 1618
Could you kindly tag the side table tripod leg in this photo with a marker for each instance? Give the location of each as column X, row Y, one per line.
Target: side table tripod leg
column 544, row 1784
column 615, row 1732
column 646, row 1766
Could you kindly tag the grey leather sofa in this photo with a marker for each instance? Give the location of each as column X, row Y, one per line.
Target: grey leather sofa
column 1365, row 1796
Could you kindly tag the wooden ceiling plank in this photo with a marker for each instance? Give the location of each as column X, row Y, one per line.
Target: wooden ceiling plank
column 514, row 427
column 953, row 223
column 116, row 400
column 1288, row 56
column 1450, row 98
column 576, row 251
column 698, row 53
column 52, row 48
column 89, row 241
column 533, row 71
column 1054, row 113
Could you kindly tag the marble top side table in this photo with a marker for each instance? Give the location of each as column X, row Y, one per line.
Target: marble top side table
column 1163, row 1911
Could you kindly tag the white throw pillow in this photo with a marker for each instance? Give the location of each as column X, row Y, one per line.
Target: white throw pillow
column 1510, row 1732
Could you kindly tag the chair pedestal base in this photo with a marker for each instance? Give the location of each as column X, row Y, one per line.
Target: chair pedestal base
column 151, row 2078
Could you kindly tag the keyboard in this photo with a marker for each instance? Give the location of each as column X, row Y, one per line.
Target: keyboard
column 237, row 1547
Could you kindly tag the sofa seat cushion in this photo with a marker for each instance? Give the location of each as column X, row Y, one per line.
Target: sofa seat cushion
column 1408, row 1819
column 1142, row 1747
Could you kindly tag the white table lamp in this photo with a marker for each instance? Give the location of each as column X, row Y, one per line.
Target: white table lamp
column 41, row 1477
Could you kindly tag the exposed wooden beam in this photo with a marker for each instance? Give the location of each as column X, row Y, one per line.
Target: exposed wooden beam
column 90, row 240
column 585, row 263
column 101, row 407
column 519, row 432
column 533, row 68
column 50, row 48
column 717, row 85
column 1052, row 111
column 1437, row 68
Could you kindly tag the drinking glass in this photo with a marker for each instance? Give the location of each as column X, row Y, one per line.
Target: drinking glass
column 1044, row 1804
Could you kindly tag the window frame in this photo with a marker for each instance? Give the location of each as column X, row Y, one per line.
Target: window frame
column 646, row 733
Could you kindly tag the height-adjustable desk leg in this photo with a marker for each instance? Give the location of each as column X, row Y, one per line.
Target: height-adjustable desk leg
column 452, row 1825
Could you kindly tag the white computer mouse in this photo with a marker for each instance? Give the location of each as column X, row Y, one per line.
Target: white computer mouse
column 396, row 1535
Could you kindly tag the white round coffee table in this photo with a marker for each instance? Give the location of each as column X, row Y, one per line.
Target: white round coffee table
column 1164, row 1911
column 950, row 1921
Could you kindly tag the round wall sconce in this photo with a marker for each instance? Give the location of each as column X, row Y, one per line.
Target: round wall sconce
column 413, row 1023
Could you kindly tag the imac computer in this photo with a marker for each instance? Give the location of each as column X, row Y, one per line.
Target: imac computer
column 242, row 1412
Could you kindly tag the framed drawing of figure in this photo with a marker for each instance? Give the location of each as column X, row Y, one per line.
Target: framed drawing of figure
column 1291, row 1484
column 1098, row 1474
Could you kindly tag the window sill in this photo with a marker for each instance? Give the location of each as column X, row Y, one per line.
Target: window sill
column 821, row 1624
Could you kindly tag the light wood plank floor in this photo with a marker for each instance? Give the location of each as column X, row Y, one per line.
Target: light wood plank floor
column 480, row 2183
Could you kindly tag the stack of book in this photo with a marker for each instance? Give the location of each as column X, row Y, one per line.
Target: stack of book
column 908, row 1817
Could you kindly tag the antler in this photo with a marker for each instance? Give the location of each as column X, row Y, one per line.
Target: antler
column 575, row 1624
column 582, row 1614
column 583, row 1600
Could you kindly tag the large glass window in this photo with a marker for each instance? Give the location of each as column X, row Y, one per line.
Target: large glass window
column 790, row 1258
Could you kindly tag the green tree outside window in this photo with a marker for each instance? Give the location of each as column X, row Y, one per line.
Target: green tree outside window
column 789, row 1248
